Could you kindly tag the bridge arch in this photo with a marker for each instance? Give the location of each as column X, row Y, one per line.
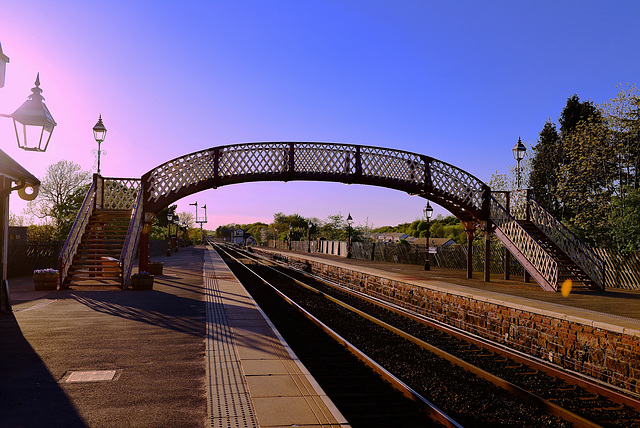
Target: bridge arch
column 461, row 193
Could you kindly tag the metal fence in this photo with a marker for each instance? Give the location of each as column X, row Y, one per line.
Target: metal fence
column 23, row 257
column 449, row 257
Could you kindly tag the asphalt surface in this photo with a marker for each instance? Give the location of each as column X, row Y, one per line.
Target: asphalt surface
column 153, row 340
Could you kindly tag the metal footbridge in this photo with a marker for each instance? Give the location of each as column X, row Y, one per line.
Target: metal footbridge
column 548, row 251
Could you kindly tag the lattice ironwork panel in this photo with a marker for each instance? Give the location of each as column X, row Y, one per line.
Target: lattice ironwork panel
column 519, row 204
column 392, row 164
column 180, row 172
column 254, row 159
column 532, row 251
column 581, row 254
column 458, row 183
column 120, row 193
column 323, row 158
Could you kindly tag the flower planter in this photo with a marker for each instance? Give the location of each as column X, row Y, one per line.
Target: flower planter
column 155, row 268
column 47, row 281
column 142, row 282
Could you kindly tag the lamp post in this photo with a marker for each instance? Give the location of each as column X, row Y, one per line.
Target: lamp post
column 519, row 152
column 33, row 124
column 427, row 211
column 169, row 219
column 275, row 238
column 290, row 230
column 349, row 222
column 99, row 133
column 309, row 236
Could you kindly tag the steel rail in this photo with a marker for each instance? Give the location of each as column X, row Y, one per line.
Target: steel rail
column 592, row 385
column 542, row 403
column 595, row 386
column 434, row 412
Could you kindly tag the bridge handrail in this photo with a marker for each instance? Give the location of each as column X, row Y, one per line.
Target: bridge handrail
column 283, row 161
column 579, row 252
column 75, row 234
column 131, row 241
column 542, row 261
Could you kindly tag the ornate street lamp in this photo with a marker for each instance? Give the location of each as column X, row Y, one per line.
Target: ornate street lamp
column 34, row 125
column 290, row 230
column 349, row 222
column 99, row 133
column 427, row 211
column 169, row 219
column 519, row 152
column 309, row 235
column 275, row 238
column 33, row 121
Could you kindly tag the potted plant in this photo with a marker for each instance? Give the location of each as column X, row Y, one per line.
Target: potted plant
column 155, row 268
column 46, row 279
column 142, row 281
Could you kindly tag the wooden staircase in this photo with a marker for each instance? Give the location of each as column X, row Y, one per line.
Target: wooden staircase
column 567, row 269
column 96, row 261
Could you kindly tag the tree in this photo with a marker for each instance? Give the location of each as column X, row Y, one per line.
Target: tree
column 625, row 217
column 160, row 223
column 545, row 168
column 41, row 233
column 555, row 151
column 586, row 184
column 333, row 227
column 61, row 194
column 187, row 217
column 16, row 220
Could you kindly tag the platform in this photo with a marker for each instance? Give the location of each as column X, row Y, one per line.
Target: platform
column 194, row 351
column 254, row 377
column 615, row 309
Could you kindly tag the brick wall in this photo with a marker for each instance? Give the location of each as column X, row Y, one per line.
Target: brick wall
column 606, row 352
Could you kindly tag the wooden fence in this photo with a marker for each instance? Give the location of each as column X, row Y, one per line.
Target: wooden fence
column 621, row 270
column 23, row 257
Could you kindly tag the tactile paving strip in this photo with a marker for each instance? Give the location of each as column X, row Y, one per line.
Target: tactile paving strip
column 229, row 404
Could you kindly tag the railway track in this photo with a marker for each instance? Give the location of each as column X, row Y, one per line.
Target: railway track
column 479, row 385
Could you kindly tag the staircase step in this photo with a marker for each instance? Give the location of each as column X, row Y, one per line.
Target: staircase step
column 103, row 237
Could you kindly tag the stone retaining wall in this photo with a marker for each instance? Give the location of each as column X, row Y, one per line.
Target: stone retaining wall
column 606, row 352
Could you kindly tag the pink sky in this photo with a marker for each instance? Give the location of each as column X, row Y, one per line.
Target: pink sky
column 456, row 81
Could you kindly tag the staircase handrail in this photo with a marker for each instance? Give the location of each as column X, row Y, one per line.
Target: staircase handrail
column 537, row 256
column 74, row 237
column 131, row 241
column 579, row 252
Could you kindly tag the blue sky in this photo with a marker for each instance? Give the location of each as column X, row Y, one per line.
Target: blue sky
column 456, row 80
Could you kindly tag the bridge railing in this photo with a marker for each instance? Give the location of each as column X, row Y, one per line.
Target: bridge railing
column 131, row 241
column 116, row 193
column 579, row 252
column 75, row 234
column 524, row 247
column 452, row 187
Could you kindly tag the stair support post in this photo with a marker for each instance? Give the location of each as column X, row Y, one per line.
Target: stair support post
column 143, row 248
column 507, row 253
column 487, row 251
column 469, row 228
